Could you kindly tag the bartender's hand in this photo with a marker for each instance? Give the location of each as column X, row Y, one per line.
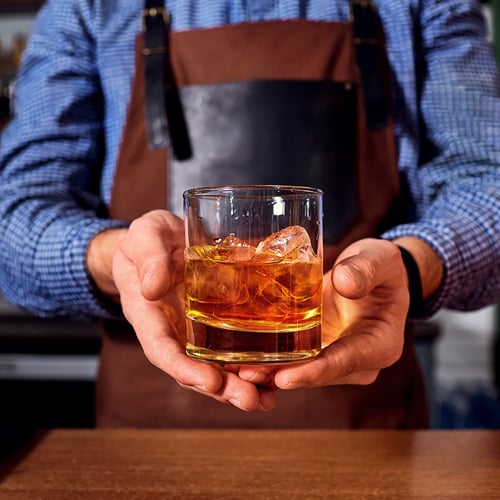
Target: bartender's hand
column 145, row 270
column 365, row 304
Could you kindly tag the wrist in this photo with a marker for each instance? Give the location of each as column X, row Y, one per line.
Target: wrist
column 99, row 260
column 424, row 268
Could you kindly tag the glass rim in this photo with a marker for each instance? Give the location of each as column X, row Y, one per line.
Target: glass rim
column 248, row 189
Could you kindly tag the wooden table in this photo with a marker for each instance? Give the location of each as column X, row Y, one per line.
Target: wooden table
column 231, row 464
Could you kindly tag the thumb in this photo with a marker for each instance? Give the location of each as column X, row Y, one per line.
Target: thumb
column 365, row 265
column 156, row 276
column 154, row 244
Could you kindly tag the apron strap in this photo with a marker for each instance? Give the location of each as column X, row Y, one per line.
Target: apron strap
column 164, row 116
column 369, row 56
column 154, row 21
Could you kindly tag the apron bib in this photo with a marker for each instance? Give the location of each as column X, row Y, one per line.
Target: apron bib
column 269, row 132
column 294, row 96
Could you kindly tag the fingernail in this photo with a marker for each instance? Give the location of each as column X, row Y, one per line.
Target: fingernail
column 200, row 388
column 237, row 403
column 287, row 383
column 259, row 378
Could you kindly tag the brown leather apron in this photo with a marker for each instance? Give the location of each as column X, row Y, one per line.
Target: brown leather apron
column 132, row 392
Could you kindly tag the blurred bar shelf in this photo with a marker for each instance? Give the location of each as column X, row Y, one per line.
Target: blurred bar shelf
column 12, row 6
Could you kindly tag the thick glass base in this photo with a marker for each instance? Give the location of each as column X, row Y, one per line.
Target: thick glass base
column 209, row 343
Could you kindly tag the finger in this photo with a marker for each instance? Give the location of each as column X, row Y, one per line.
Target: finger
column 158, row 334
column 243, row 395
column 232, row 368
column 168, row 354
column 267, row 398
column 261, row 375
column 350, row 359
column 366, row 377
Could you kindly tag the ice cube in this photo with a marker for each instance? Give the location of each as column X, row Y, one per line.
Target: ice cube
column 209, row 280
column 291, row 242
column 234, row 249
column 219, row 285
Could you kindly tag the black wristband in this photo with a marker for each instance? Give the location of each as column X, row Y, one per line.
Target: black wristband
column 414, row 284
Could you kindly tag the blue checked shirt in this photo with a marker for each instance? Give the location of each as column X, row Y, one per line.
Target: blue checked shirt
column 58, row 154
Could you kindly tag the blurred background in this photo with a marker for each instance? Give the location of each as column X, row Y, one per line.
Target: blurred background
column 47, row 367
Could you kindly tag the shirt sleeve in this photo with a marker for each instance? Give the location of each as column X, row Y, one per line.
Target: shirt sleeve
column 456, row 184
column 50, row 160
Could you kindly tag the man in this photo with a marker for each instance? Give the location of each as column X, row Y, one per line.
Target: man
column 85, row 230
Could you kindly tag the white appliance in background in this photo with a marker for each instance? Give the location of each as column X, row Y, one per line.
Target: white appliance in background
column 24, row 364
column 48, row 367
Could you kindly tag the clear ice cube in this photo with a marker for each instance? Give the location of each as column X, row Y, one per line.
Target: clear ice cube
column 293, row 242
column 234, row 249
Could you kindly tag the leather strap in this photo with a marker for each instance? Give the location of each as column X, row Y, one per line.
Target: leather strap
column 367, row 41
column 166, row 125
column 154, row 25
column 416, row 308
column 163, row 104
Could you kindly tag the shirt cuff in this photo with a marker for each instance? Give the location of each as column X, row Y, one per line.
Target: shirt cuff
column 65, row 271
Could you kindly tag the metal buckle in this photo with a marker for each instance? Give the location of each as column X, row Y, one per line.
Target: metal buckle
column 362, row 3
column 155, row 12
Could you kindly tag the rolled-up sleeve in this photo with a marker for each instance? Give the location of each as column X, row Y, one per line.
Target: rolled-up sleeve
column 50, row 160
column 457, row 179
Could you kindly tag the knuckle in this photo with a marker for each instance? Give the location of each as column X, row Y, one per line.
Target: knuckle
column 346, row 362
column 149, row 354
column 391, row 356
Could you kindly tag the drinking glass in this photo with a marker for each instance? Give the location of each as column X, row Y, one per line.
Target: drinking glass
column 253, row 273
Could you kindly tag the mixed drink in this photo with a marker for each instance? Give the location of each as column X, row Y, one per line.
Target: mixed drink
column 254, row 303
